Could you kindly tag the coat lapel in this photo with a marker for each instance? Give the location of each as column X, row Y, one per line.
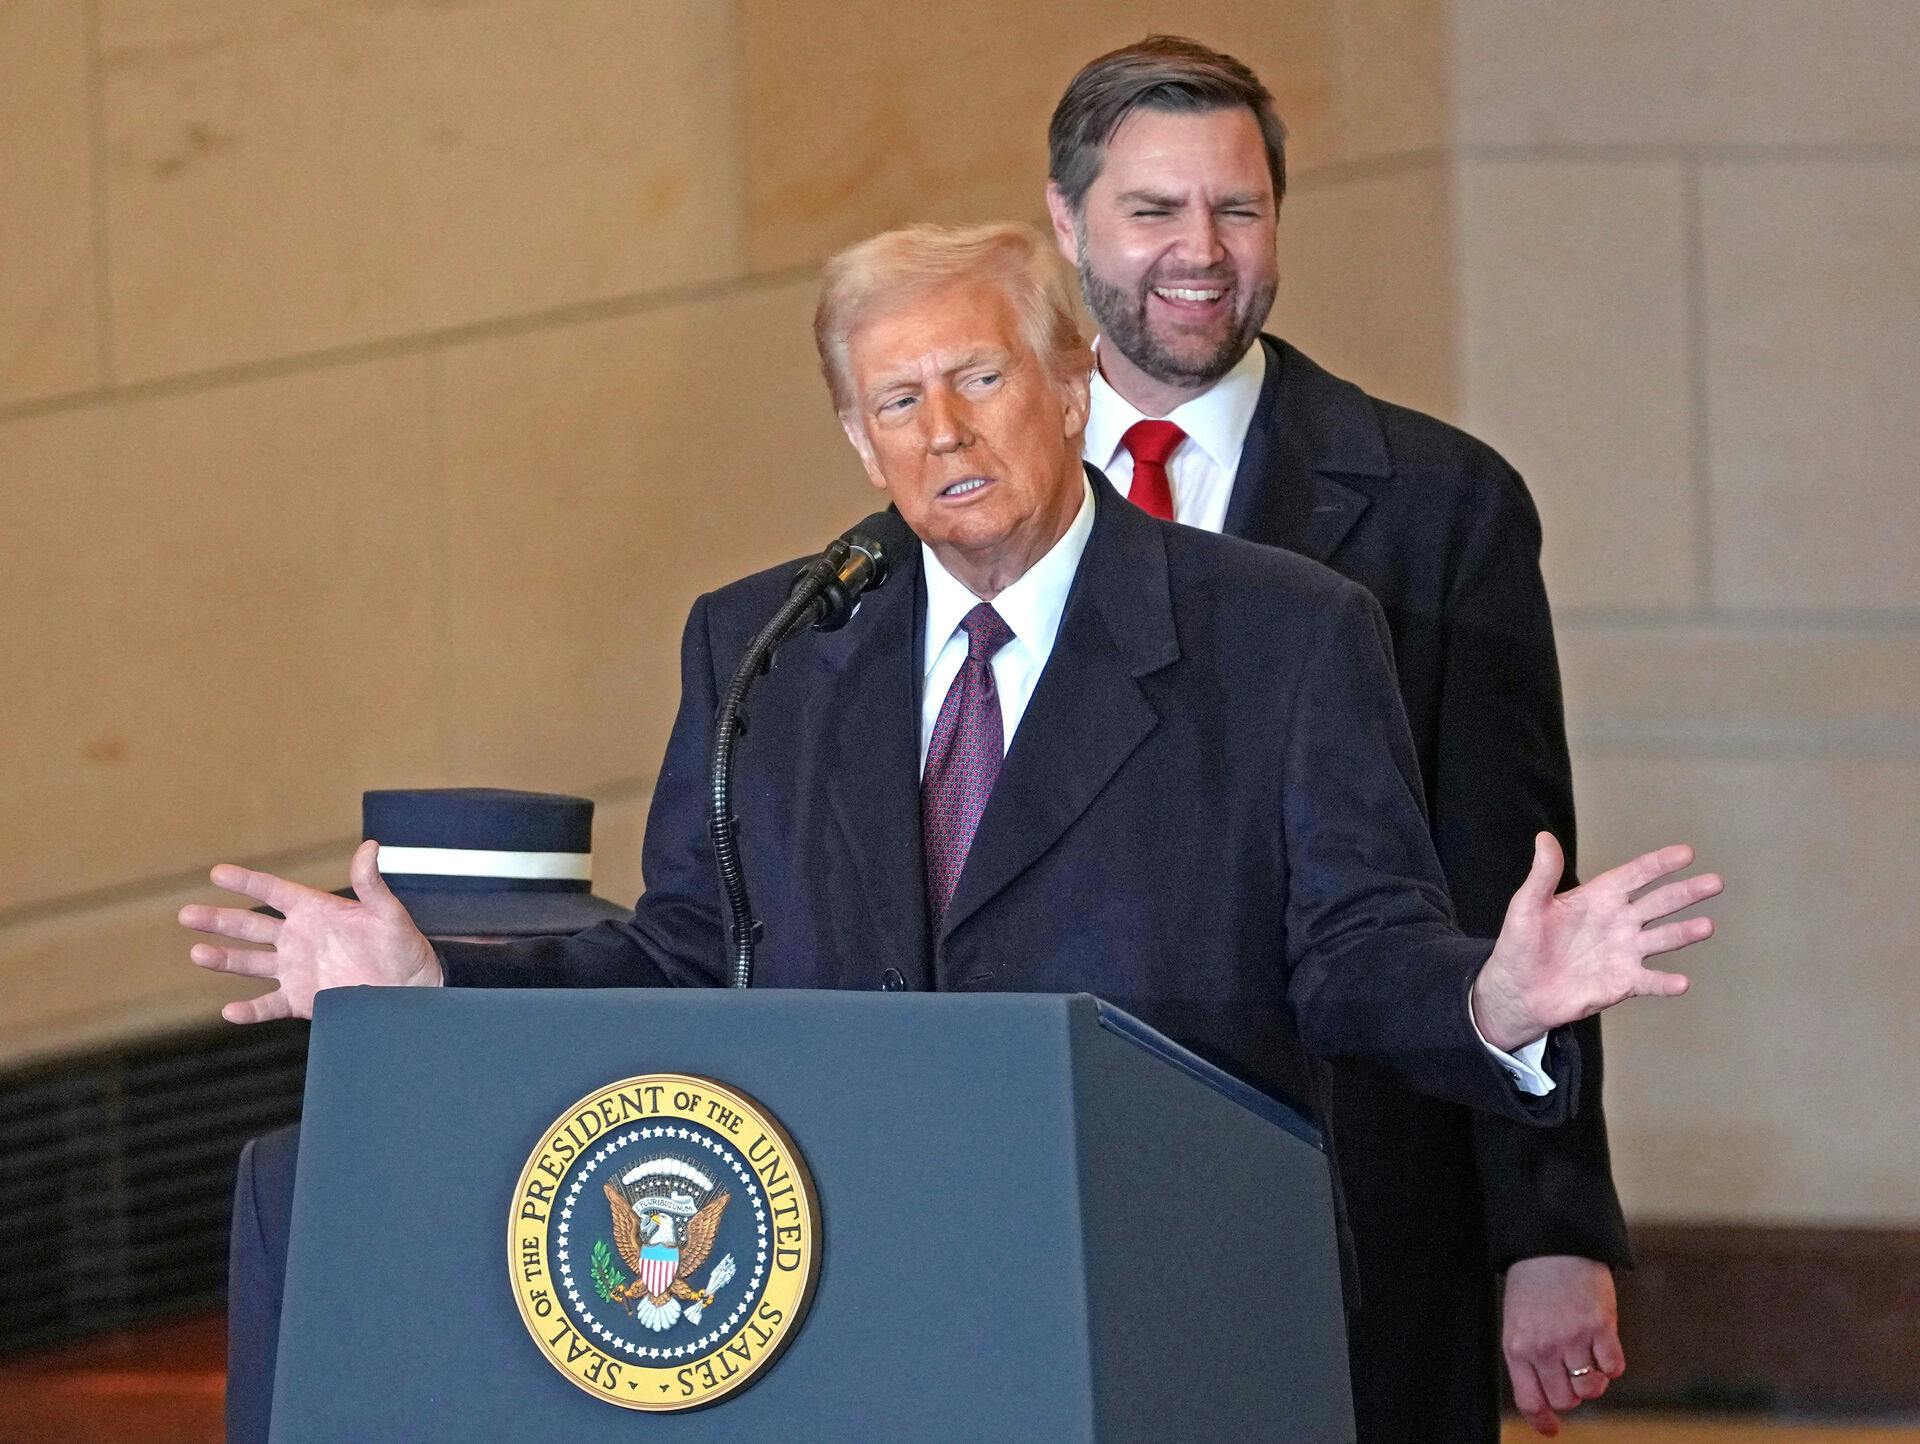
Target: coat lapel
column 1308, row 427
column 1088, row 713
column 872, row 753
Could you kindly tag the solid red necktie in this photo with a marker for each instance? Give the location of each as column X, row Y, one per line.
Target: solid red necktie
column 963, row 758
column 1152, row 443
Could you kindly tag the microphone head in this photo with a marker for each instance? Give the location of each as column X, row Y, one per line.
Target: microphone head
column 876, row 555
column 862, row 568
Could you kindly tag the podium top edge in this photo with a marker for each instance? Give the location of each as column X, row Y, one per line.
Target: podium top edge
column 336, row 1005
column 1124, row 1024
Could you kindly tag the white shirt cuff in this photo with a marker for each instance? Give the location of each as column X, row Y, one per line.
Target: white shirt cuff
column 1524, row 1066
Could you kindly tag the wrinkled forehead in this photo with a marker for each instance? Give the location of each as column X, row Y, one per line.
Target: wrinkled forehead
column 936, row 333
column 1212, row 154
column 912, row 366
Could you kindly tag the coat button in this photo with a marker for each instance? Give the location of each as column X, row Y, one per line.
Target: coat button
column 892, row 981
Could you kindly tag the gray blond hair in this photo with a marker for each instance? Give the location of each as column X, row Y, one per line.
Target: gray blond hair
column 881, row 273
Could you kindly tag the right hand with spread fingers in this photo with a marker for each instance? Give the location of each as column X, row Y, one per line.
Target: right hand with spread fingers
column 321, row 941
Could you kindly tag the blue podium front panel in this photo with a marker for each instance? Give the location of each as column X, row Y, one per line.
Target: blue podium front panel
column 955, row 1144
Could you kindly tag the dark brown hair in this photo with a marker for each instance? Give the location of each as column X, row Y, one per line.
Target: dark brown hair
column 1162, row 72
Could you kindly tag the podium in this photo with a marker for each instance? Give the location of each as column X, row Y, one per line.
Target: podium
column 1038, row 1220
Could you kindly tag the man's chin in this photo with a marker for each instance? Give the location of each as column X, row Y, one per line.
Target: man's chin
column 1192, row 360
column 1188, row 373
column 973, row 533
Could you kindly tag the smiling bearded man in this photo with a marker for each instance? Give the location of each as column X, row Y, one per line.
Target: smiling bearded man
column 1167, row 163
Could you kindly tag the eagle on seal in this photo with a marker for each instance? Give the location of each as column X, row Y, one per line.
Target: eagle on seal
column 661, row 1257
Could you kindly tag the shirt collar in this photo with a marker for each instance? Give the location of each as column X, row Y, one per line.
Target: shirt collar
column 1216, row 420
column 1031, row 607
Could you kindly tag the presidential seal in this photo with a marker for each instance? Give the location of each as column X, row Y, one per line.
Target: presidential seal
column 663, row 1242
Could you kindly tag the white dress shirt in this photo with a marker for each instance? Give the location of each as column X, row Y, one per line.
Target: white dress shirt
column 1200, row 474
column 1201, row 470
column 1031, row 608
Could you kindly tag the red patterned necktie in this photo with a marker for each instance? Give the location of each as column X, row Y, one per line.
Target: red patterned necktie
column 963, row 758
column 1151, row 443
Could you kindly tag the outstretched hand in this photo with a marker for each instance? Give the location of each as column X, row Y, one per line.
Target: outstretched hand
column 1566, row 957
column 323, row 941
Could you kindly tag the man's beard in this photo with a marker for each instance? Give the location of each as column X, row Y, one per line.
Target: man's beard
column 1122, row 318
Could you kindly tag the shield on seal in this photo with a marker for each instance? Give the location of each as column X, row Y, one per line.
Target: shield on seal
column 658, row 1265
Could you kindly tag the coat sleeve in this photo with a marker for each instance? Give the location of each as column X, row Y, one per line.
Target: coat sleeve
column 1377, row 968
column 676, row 937
column 1501, row 774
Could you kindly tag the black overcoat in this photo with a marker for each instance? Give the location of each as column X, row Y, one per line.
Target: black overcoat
column 1210, row 814
column 1444, row 535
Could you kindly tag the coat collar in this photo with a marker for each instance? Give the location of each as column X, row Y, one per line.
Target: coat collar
column 1310, row 429
column 869, row 717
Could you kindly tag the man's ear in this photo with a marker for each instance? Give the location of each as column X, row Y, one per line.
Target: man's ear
column 1076, row 392
column 857, row 436
column 1061, row 212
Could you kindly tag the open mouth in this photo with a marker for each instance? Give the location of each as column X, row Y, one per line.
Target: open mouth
column 1192, row 300
column 965, row 487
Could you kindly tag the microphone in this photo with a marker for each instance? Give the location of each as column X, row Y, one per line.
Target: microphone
column 861, row 567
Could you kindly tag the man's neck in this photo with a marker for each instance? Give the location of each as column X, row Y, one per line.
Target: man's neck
column 985, row 577
column 1146, row 394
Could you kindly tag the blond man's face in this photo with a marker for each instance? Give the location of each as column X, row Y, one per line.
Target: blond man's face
column 967, row 430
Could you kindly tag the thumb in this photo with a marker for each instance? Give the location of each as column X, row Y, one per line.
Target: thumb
column 1549, row 864
column 364, row 873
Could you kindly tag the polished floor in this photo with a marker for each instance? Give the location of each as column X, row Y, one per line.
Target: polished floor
column 159, row 1385
column 163, row 1385
column 1692, row 1429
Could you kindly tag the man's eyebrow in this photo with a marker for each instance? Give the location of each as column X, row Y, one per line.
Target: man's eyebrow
column 985, row 356
column 992, row 356
column 1238, row 199
column 889, row 383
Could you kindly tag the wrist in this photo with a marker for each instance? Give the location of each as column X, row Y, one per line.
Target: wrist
column 1558, row 1263
column 429, row 974
column 1495, row 1009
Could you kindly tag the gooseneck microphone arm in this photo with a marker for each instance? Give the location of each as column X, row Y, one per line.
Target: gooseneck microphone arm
column 824, row 593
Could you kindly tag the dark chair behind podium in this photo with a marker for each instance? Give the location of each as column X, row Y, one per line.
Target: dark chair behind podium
column 1040, row 1221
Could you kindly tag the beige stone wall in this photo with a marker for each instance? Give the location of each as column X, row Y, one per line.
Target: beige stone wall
column 1689, row 309
column 352, row 357
column 378, row 385
column 380, row 382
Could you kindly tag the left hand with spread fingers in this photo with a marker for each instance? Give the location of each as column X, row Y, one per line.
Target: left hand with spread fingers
column 1564, row 957
column 320, row 941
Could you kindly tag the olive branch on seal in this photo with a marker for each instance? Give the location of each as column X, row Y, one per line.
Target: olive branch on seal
column 607, row 1278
